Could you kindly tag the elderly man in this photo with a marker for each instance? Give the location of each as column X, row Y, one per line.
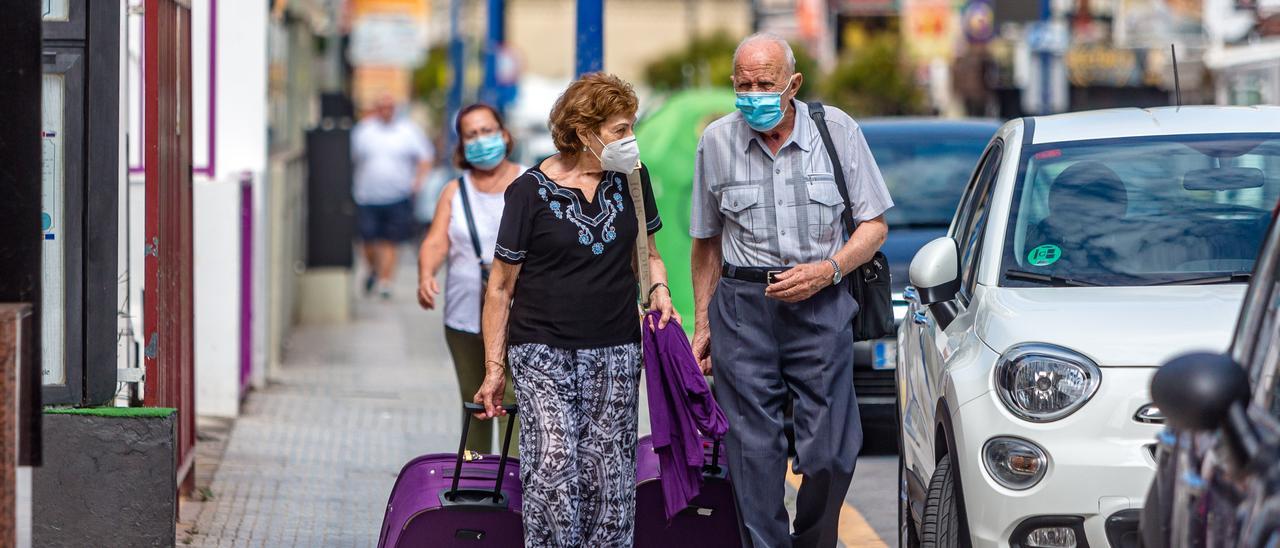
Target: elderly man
column 772, row 316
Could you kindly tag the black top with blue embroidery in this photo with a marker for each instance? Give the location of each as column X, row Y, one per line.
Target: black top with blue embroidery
column 577, row 288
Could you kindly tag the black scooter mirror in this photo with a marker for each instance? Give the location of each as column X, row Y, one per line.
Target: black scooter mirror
column 1196, row 391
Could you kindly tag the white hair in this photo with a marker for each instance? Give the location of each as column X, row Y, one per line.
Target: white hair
column 767, row 37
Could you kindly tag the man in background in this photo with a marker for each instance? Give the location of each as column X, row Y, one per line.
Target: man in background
column 392, row 158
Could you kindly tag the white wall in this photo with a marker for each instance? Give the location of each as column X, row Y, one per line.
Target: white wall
column 233, row 97
column 217, row 297
column 241, row 139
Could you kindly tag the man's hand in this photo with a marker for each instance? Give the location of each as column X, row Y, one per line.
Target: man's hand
column 427, row 291
column 702, row 347
column 801, row 282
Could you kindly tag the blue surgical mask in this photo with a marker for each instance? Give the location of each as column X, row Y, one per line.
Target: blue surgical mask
column 485, row 152
column 763, row 110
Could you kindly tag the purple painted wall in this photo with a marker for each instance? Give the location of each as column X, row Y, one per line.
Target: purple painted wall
column 246, row 281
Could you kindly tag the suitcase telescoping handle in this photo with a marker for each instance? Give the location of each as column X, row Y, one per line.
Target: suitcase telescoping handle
column 714, row 468
column 468, row 409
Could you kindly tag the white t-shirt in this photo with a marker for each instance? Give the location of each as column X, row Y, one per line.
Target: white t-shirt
column 386, row 157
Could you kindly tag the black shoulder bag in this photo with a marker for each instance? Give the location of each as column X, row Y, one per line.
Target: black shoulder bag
column 475, row 238
column 869, row 283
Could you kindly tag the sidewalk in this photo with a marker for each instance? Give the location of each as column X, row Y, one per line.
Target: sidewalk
column 314, row 455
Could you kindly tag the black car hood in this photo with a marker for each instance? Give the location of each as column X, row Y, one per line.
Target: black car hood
column 902, row 245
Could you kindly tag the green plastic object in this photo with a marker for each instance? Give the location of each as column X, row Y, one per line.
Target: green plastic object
column 117, row 412
column 668, row 138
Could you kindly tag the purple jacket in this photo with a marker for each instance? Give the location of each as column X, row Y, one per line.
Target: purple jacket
column 680, row 406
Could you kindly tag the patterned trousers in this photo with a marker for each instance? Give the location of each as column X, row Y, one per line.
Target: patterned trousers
column 577, row 443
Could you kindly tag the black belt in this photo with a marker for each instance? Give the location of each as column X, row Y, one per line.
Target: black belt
column 756, row 274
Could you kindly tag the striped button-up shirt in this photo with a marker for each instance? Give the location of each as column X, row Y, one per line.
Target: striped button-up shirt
column 782, row 209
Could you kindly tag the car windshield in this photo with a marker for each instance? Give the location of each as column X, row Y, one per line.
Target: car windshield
column 931, row 172
column 1142, row 211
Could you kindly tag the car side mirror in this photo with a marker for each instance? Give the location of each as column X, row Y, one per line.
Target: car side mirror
column 1196, row 391
column 935, row 271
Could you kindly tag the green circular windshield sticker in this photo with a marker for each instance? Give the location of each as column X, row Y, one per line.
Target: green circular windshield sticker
column 1044, row 255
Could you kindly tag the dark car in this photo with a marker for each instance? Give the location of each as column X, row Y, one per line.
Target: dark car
column 925, row 163
column 1217, row 481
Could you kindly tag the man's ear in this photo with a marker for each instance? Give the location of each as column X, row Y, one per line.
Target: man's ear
column 798, row 83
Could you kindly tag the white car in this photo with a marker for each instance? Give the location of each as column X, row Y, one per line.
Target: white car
column 1088, row 248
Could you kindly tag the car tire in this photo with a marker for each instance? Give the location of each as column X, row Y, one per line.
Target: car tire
column 941, row 527
column 907, row 535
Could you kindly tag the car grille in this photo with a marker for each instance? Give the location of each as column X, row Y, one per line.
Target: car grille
column 874, row 386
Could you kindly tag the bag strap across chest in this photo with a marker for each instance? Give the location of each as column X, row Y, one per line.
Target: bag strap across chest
column 471, row 221
column 641, row 257
column 819, row 115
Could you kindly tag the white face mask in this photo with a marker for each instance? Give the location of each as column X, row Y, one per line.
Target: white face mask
column 621, row 156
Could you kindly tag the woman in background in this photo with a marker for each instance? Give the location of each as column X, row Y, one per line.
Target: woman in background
column 483, row 146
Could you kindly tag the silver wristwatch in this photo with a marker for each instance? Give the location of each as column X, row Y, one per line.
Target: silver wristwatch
column 837, row 276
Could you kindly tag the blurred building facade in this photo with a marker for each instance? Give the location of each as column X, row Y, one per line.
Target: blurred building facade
column 257, row 73
column 1244, row 50
column 541, row 34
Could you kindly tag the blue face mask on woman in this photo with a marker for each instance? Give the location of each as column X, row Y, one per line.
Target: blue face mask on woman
column 763, row 110
column 485, row 152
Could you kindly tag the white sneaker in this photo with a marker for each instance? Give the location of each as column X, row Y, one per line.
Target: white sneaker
column 384, row 290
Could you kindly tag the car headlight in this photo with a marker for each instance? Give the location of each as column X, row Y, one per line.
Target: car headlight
column 1043, row 383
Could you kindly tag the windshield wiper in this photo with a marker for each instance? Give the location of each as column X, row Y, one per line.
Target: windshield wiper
column 1056, row 281
column 1223, row 278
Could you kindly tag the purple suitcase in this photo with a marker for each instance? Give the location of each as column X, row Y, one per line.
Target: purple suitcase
column 710, row 521
column 444, row 500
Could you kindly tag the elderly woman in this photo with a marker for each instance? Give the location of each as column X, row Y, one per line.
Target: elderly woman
column 564, row 256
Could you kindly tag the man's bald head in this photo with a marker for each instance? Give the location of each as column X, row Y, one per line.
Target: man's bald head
column 764, row 47
column 764, row 62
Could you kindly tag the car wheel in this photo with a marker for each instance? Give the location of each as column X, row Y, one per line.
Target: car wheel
column 907, row 536
column 941, row 524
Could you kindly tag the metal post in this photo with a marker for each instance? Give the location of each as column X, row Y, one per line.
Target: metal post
column 492, row 47
column 590, row 36
column 457, row 61
column 1046, row 58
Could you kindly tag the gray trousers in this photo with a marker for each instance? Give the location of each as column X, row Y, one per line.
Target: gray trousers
column 764, row 350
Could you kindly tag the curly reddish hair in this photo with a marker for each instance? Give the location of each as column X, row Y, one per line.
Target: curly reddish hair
column 585, row 106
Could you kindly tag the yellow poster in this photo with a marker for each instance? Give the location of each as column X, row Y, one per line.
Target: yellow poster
column 930, row 28
column 417, row 8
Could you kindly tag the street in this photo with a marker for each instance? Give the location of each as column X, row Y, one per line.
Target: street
column 874, row 496
column 312, row 460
